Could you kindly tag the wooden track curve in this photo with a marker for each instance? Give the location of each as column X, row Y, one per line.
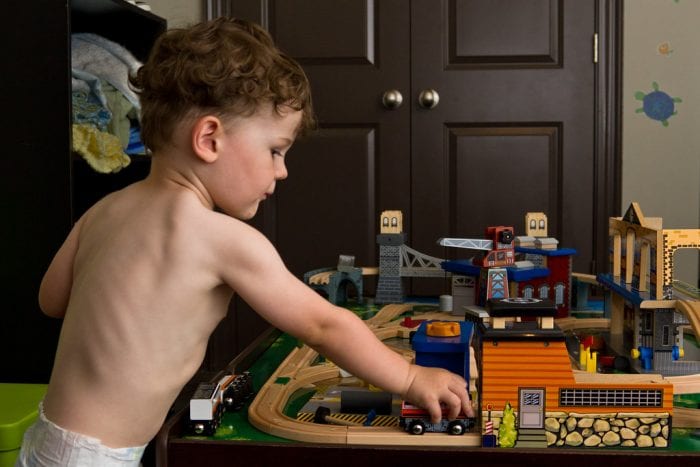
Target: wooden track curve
column 266, row 412
column 691, row 310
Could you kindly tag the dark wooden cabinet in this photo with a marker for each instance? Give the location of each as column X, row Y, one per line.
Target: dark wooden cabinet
column 45, row 187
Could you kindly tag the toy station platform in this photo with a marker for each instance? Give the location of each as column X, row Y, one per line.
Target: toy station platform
column 236, row 438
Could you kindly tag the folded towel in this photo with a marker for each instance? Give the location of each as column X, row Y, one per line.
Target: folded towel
column 105, row 59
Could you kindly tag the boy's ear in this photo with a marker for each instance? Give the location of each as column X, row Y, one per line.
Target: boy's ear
column 205, row 138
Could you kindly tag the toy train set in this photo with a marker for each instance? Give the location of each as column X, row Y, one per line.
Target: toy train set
column 533, row 382
column 210, row 400
column 416, row 422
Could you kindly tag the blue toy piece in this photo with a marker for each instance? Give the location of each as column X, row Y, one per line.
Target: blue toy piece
column 646, row 354
column 449, row 352
column 442, row 344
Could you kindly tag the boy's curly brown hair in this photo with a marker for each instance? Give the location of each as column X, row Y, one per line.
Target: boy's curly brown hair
column 227, row 67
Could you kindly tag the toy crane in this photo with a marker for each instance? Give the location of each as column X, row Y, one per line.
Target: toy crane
column 503, row 254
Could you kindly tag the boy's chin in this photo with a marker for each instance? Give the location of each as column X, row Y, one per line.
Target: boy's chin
column 242, row 214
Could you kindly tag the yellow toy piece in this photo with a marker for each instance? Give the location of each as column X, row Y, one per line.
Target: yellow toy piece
column 443, row 329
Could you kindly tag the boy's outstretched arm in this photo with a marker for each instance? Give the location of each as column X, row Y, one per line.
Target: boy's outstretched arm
column 263, row 281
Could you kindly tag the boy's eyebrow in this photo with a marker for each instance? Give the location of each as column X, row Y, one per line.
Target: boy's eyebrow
column 285, row 140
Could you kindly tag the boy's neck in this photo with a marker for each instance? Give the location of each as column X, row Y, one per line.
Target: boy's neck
column 166, row 171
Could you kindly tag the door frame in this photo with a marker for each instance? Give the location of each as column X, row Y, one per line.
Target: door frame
column 608, row 128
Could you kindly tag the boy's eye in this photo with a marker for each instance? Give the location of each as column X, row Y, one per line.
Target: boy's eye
column 275, row 152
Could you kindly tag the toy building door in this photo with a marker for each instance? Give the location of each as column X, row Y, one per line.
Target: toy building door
column 531, row 408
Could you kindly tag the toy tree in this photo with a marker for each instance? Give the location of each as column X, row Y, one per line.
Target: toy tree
column 507, row 434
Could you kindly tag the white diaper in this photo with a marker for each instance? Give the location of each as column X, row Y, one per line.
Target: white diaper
column 46, row 444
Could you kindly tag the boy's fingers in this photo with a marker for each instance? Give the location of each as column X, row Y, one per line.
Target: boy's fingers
column 468, row 409
column 455, row 406
column 435, row 412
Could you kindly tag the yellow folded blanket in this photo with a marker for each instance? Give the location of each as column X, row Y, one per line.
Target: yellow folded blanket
column 103, row 151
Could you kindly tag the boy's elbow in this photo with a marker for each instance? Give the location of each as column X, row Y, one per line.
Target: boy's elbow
column 53, row 312
column 50, row 307
column 324, row 334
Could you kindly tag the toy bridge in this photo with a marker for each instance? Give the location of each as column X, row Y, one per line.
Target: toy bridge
column 416, row 264
column 397, row 262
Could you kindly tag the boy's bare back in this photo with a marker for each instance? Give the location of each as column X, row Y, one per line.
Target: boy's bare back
column 144, row 300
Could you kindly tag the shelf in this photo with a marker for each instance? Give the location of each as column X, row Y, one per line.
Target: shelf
column 135, row 29
column 120, row 21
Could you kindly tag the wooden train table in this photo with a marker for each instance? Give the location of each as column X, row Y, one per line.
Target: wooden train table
column 276, row 360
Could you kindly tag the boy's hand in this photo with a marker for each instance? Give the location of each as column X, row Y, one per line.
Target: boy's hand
column 429, row 387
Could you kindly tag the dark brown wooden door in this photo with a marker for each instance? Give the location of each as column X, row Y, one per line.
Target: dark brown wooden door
column 513, row 130
column 514, row 127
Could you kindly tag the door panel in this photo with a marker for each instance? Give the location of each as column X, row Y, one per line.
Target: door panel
column 488, row 34
column 525, row 159
column 318, row 208
column 345, row 35
column 358, row 163
column 513, row 130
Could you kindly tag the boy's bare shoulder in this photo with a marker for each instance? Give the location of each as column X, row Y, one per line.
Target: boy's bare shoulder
column 177, row 224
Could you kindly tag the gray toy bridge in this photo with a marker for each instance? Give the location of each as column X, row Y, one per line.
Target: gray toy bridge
column 396, row 260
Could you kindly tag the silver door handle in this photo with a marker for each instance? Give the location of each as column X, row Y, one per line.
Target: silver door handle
column 392, row 99
column 428, row 98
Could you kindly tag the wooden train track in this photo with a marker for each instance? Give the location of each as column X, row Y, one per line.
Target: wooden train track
column 266, row 412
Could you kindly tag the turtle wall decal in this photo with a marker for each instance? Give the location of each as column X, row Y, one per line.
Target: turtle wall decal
column 657, row 105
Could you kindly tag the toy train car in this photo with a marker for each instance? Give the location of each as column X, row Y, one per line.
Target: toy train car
column 442, row 344
column 416, row 421
column 210, row 400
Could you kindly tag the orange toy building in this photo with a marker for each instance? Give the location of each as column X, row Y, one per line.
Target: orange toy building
column 525, row 362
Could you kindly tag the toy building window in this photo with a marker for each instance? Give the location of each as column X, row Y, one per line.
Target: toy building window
column 532, row 398
column 541, row 224
column 394, row 222
column 611, row 397
column 528, row 291
column 647, row 321
column 533, row 224
column 559, row 294
column 385, row 222
column 544, row 291
column 666, row 336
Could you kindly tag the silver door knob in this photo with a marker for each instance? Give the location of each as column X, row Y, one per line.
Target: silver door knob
column 428, row 98
column 392, row 99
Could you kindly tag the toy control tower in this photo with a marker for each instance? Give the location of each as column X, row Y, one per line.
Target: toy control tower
column 390, row 239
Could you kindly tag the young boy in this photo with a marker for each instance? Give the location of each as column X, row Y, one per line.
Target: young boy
column 147, row 273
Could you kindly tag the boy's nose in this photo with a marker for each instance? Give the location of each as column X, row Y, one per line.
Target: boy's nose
column 280, row 169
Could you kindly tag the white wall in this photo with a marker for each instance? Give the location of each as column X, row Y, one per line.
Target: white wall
column 179, row 13
column 661, row 164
